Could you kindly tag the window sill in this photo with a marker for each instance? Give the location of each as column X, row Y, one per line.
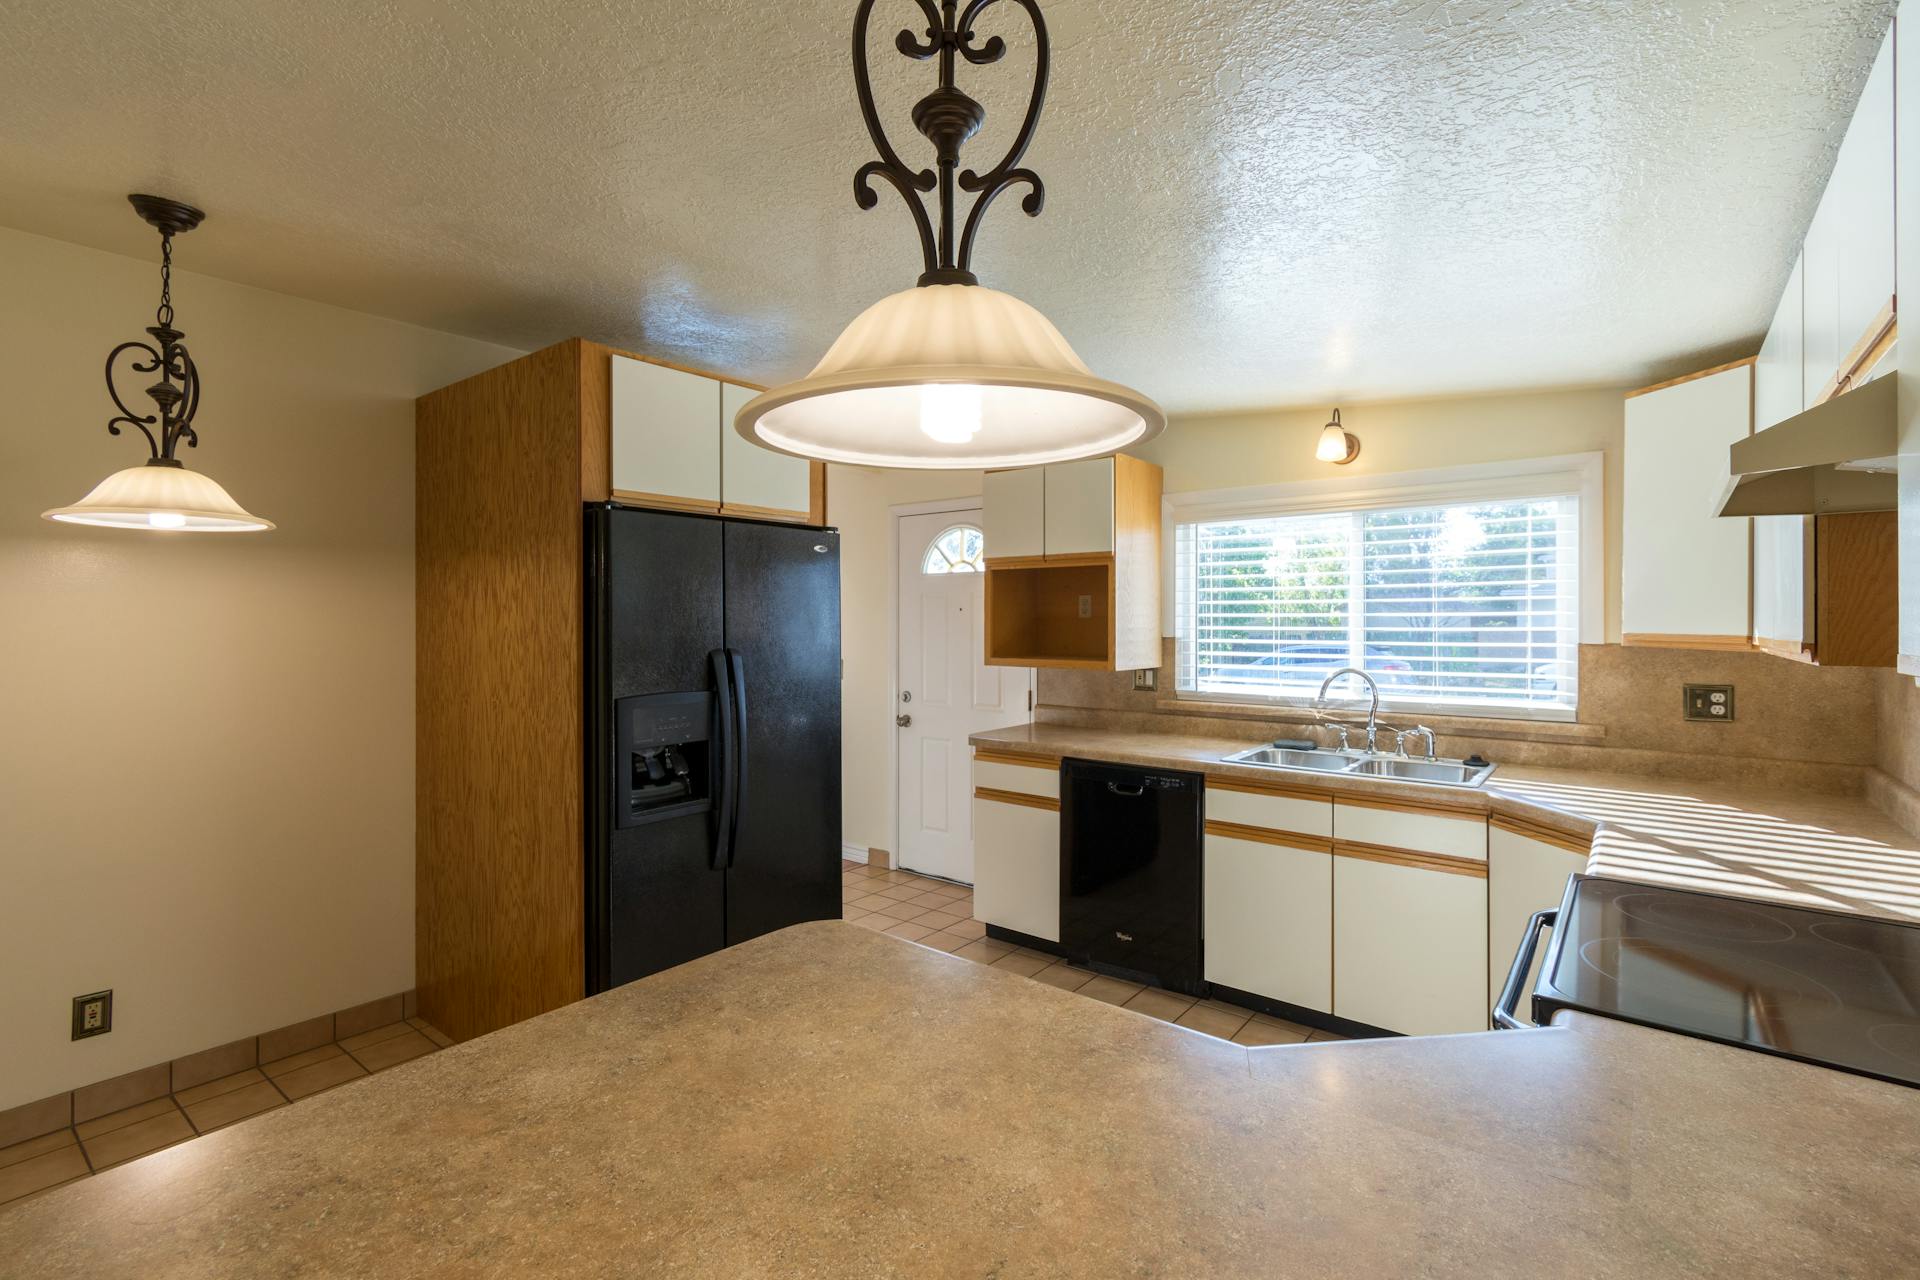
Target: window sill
column 1500, row 727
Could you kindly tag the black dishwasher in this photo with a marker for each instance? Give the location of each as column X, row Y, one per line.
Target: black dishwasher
column 1130, row 871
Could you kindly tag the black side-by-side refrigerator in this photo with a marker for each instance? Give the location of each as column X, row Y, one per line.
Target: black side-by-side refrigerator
column 713, row 735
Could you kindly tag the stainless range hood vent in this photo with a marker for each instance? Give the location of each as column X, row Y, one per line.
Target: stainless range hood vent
column 1824, row 460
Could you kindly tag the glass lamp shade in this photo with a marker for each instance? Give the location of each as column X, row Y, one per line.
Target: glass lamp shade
column 950, row 376
column 150, row 497
column 1336, row 445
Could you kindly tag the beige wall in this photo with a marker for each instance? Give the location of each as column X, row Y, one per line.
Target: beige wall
column 206, row 779
column 1224, row 451
column 858, row 504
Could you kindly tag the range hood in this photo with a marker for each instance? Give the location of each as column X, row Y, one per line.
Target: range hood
column 1837, row 456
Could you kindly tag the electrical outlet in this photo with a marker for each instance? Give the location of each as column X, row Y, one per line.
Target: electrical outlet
column 93, row 1015
column 1147, row 679
column 1709, row 702
column 1086, row 606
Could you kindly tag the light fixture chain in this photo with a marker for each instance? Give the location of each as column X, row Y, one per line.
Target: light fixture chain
column 164, row 316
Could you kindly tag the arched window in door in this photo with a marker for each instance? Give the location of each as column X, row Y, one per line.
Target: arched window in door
column 957, row 550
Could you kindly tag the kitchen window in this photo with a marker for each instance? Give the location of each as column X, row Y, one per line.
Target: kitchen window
column 1455, row 604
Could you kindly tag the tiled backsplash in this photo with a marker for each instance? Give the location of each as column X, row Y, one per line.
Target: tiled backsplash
column 1796, row 725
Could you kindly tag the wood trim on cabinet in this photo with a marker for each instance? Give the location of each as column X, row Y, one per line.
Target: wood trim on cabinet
column 1690, row 377
column 1545, row 835
column 1016, row 797
column 1410, row 858
column 1267, row 835
column 499, row 460
column 1661, row 640
column 817, row 493
column 765, row 513
column 987, row 756
column 1260, row 787
column 1792, row 650
column 1048, row 562
column 1856, row 575
column 667, row 502
column 1436, row 808
column 1866, row 351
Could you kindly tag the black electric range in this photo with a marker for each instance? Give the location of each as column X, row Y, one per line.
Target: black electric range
column 1835, row 990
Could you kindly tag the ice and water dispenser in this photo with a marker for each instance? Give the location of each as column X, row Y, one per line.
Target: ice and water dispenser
column 662, row 756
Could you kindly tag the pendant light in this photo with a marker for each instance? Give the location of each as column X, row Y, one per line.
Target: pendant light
column 1337, row 445
column 161, row 493
column 949, row 374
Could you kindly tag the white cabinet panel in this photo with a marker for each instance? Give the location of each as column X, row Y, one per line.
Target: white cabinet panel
column 1409, row 947
column 1524, row 875
column 666, row 438
column 1017, row 777
column 751, row 476
column 1460, row 837
column 1675, row 471
column 1013, row 515
column 1079, row 507
column 1821, row 344
column 1268, row 920
column 1861, row 190
column 1779, row 389
column 1311, row 817
column 1782, row 558
column 1016, row 867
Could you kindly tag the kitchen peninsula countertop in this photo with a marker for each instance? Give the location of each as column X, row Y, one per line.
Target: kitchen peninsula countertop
column 1834, row 853
column 828, row 1101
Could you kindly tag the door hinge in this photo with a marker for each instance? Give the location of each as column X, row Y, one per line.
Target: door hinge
column 1029, row 699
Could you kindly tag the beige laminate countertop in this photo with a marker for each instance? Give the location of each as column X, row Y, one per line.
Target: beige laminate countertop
column 1834, row 853
column 828, row 1101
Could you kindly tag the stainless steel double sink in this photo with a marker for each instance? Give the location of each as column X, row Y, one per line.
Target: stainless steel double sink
column 1362, row 764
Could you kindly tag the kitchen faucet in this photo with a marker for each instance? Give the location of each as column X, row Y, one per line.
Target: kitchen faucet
column 1373, row 709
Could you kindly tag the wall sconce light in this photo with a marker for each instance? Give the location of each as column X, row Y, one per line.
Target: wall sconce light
column 161, row 493
column 1337, row 445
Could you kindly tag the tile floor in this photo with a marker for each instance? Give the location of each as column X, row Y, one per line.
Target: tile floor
column 937, row 914
column 40, row 1164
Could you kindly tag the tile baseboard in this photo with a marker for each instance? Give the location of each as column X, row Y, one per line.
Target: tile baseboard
column 102, row 1097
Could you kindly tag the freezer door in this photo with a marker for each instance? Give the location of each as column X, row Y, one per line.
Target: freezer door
column 783, row 627
column 655, row 897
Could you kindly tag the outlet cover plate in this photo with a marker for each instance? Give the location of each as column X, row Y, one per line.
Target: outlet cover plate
column 1709, row 702
column 93, row 1014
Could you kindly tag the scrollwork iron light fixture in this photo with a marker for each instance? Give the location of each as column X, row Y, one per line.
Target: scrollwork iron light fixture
column 162, row 493
column 949, row 374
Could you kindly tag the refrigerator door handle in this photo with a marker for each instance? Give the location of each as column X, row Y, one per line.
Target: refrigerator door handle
column 725, row 749
column 737, row 756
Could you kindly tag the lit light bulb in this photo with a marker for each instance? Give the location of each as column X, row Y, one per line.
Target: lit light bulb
column 166, row 520
column 1333, row 445
column 950, row 412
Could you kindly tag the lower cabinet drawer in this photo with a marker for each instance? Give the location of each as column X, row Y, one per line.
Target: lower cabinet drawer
column 1410, row 947
column 1268, row 920
column 1016, row 865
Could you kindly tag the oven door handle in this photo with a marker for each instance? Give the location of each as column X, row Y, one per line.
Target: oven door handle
column 1504, row 1016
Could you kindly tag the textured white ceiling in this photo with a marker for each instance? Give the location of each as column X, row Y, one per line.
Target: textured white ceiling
column 1248, row 203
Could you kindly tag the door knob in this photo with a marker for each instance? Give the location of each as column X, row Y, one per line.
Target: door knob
column 903, row 720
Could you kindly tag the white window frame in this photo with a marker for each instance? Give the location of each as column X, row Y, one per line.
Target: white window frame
column 1580, row 474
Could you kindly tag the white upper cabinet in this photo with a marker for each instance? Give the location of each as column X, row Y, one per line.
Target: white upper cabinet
column 1779, row 375
column 674, row 446
column 1848, row 279
column 756, row 478
column 666, row 442
column 1013, row 512
column 1079, row 507
column 1675, row 472
column 1862, row 188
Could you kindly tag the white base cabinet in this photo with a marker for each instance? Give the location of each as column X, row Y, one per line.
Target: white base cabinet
column 1409, row 947
column 1016, row 866
column 1525, row 874
column 1268, row 920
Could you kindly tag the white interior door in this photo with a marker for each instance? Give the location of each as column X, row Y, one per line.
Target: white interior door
column 945, row 690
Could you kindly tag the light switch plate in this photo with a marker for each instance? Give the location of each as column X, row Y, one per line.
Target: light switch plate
column 1709, row 702
column 1146, row 679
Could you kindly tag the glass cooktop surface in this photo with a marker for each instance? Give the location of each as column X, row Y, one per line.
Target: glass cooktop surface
column 1839, row 990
